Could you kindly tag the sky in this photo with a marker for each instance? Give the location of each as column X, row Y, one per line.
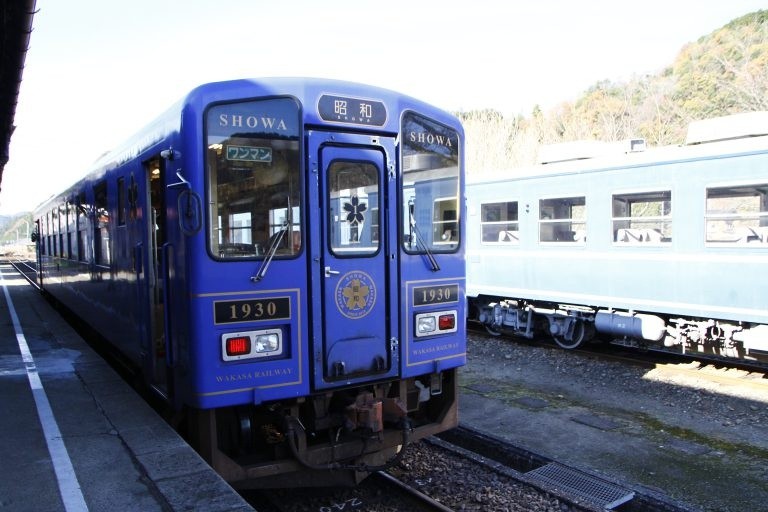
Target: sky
column 96, row 72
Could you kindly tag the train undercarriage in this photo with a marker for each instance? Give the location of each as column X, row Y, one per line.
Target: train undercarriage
column 334, row 438
column 570, row 326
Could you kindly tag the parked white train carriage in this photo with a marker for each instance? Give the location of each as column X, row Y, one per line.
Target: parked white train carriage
column 665, row 246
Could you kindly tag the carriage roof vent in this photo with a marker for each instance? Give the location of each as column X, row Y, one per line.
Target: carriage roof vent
column 585, row 149
column 736, row 126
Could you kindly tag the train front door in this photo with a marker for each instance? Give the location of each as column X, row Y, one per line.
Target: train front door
column 355, row 266
column 152, row 291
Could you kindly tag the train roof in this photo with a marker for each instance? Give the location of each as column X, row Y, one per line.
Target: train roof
column 710, row 138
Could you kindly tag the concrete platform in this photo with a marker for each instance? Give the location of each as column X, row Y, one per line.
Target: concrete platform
column 74, row 436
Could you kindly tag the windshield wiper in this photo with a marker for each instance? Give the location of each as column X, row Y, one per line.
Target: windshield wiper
column 277, row 238
column 270, row 253
column 434, row 267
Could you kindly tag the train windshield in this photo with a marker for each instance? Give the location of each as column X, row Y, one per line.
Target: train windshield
column 254, row 190
column 430, row 200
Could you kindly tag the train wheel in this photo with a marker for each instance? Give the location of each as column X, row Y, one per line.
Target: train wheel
column 491, row 330
column 576, row 338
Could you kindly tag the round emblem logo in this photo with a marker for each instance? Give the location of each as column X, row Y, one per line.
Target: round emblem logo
column 355, row 294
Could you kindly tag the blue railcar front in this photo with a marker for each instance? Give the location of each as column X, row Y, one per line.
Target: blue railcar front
column 323, row 279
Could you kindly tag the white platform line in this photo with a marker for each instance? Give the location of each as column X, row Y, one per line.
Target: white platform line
column 69, row 487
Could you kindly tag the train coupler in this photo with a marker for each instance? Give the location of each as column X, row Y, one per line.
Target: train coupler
column 369, row 413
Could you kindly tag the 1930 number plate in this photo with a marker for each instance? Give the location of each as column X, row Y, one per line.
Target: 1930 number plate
column 442, row 294
column 250, row 310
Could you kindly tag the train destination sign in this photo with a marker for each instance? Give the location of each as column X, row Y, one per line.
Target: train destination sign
column 249, row 153
column 341, row 109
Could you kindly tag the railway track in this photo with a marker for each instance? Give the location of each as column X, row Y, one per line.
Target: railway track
column 421, row 500
column 381, row 491
column 27, row 268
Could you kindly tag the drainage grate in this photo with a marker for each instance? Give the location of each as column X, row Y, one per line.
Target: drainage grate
column 577, row 483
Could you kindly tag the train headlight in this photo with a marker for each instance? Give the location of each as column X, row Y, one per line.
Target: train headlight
column 435, row 323
column 425, row 325
column 267, row 342
column 237, row 346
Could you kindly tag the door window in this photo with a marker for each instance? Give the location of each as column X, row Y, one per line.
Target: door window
column 353, row 189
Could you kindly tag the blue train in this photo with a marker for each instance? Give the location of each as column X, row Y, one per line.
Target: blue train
column 662, row 247
column 282, row 261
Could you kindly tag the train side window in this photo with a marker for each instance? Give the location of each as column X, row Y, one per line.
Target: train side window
column 375, row 225
column 48, row 233
column 499, row 223
column 55, row 231
column 121, row 201
column 738, row 215
column 82, row 227
column 72, row 230
column 133, row 198
column 563, row 219
column 642, row 218
column 102, row 254
column 43, row 239
column 63, row 231
column 445, row 220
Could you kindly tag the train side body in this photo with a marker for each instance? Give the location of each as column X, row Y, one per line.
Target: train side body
column 248, row 253
column 666, row 246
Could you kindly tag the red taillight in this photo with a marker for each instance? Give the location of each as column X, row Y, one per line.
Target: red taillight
column 446, row 322
column 238, row 346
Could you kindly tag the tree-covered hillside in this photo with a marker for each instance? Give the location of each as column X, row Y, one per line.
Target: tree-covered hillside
column 725, row 72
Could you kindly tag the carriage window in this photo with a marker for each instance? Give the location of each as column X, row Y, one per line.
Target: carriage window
column 254, row 187
column 102, row 254
column 353, row 188
column 133, row 198
column 430, row 194
column 563, row 220
column 55, row 232
column 738, row 215
column 121, row 200
column 499, row 222
column 72, row 230
column 49, row 218
column 642, row 218
column 63, row 225
column 43, row 241
column 82, row 227
column 375, row 225
column 444, row 220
